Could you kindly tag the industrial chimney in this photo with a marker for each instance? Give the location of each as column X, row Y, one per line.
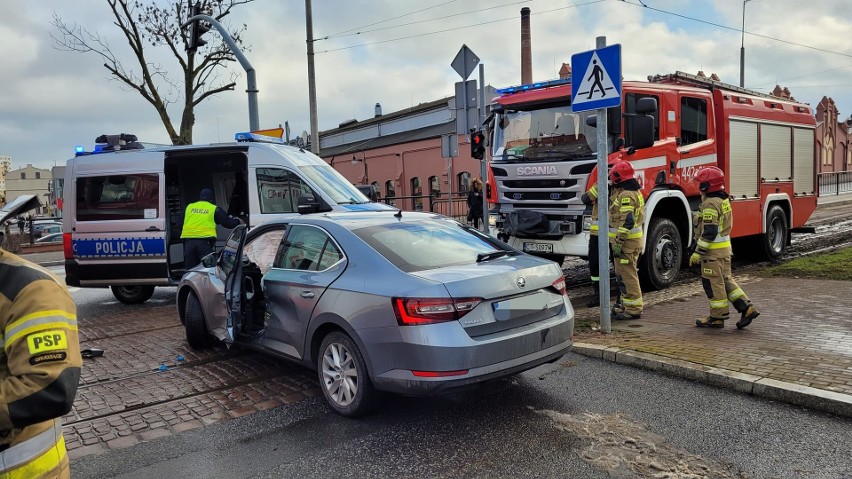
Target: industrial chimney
column 378, row 110
column 526, row 47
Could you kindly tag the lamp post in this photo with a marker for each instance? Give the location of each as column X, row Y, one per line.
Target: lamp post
column 364, row 160
column 742, row 49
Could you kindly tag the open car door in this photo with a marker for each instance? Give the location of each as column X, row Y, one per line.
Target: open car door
column 230, row 262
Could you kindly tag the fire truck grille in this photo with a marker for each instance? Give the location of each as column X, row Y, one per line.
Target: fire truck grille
column 538, row 196
column 540, row 184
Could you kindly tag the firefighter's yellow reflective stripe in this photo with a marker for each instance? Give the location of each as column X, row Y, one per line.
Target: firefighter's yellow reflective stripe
column 718, row 242
column 593, row 191
column 735, row 294
column 43, row 464
column 726, row 206
column 624, row 261
column 626, row 209
column 595, row 278
column 594, row 227
column 718, row 303
column 631, row 302
column 32, row 450
column 40, row 320
column 710, row 211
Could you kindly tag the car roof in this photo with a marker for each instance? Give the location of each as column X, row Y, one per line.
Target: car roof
column 359, row 219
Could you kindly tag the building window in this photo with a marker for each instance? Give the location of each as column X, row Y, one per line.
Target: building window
column 23, row 176
column 434, row 186
column 464, row 182
column 390, row 189
column 417, row 190
column 377, row 189
column 693, row 120
column 38, row 175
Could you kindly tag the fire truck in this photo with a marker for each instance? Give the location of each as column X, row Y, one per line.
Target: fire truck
column 669, row 128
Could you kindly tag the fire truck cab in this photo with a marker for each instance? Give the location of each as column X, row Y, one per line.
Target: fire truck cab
column 543, row 155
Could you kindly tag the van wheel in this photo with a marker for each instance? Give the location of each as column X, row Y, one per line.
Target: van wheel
column 196, row 326
column 660, row 264
column 132, row 294
column 343, row 376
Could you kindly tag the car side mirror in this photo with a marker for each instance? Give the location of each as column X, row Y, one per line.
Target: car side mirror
column 307, row 204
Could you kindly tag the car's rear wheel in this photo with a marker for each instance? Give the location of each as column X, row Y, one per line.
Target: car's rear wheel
column 343, row 376
column 196, row 327
column 135, row 294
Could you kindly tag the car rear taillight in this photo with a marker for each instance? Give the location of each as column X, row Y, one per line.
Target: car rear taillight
column 559, row 284
column 66, row 246
column 416, row 311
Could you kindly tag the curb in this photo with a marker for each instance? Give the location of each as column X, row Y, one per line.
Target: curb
column 805, row 396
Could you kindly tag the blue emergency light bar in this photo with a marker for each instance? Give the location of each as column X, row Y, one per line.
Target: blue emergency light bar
column 249, row 136
column 534, row 86
column 79, row 149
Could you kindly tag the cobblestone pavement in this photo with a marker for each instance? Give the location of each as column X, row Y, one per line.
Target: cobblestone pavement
column 124, row 397
column 801, row 341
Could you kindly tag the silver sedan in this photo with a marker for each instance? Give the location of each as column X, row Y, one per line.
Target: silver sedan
column 409, row 303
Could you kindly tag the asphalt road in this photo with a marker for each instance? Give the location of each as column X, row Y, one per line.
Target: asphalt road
column 577, row 418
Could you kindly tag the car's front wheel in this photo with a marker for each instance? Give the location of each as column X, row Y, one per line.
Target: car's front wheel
column 343, row 376
column 129, row 294
column 196, row 327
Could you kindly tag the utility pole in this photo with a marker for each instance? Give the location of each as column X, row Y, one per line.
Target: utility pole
column 312, row 85
column 742, row 49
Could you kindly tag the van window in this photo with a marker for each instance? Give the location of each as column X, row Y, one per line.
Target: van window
column 333, row 184
column 279, row 190
column 118, row 197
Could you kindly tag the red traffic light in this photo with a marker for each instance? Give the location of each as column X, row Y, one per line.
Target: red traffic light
column 477, row 145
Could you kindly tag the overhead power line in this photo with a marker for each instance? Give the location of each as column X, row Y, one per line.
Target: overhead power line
column 389, row 19
column 453, row 29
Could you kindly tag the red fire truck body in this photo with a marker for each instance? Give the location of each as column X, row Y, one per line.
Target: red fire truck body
column 543, row 155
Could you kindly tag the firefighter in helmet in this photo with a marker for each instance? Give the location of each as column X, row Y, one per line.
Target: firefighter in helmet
column 590, row 197
column 626, row 214
column 713, row 225
column 39, row 369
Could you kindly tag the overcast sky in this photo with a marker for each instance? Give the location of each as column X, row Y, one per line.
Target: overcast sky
column 398, row 53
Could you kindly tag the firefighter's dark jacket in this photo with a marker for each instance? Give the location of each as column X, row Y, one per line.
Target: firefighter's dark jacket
column 40, row 361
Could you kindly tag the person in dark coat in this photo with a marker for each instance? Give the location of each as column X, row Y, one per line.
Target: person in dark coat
column 474, row 203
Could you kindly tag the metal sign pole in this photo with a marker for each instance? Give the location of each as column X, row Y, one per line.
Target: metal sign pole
column 483, row 163
column 603, row 213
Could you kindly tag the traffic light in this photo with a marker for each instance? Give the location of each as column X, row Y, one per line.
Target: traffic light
column 477, row 145
column 196, row 30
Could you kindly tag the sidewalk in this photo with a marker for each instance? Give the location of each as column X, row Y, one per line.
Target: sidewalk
column 798, row 351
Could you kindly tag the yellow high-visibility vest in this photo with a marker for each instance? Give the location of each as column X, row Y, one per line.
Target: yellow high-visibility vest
column 199, row 221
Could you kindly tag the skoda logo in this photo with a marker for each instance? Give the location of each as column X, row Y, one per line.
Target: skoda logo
column 517, row 196
column 521, row 282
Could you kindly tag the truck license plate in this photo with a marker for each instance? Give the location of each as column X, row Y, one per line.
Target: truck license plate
column 538, row 248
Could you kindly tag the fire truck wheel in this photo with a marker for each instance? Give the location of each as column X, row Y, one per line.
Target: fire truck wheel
column 774, row 242
column 660, row 265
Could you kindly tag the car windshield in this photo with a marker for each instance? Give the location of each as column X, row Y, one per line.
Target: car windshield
column 424, row 245
column 334, row 184
column 542, row 133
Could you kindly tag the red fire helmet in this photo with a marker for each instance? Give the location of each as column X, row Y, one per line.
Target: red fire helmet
column 710, row 179
column 621, row 171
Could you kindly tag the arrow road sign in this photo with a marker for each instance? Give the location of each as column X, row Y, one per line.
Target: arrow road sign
column 600, row 83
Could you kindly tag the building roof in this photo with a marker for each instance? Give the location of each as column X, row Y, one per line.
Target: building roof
column 393, row 139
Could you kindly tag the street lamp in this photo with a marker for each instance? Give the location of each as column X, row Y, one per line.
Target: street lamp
column 742, row 49
column 356, row 160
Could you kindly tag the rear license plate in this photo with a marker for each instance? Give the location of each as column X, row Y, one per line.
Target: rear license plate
column 538, row 247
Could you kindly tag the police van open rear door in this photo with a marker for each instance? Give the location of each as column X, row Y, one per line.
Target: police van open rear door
column 117, row 227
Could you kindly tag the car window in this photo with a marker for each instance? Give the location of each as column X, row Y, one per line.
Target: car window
column 307, row 248
column 228, row 258
column 423, row 245
column 262, row 248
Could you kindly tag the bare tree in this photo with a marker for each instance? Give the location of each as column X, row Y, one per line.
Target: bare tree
column 144, row 24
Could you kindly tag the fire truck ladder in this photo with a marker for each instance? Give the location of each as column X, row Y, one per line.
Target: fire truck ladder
column 704, row 82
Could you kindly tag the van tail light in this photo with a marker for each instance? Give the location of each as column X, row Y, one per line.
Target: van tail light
column 559, row 285
column 66, row 246
column 417, row 311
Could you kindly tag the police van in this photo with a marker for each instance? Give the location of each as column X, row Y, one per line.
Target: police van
column 124, row 203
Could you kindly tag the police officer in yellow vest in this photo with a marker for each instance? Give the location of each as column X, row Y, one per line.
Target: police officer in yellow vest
column 626, row 214
column 199, row 228
column 713, row 225
column 39, row 369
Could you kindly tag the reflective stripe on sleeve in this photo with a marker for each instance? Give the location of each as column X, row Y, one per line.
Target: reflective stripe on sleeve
column 735, row 294
column 40, row 320
column 38, row 454
column 718, row 303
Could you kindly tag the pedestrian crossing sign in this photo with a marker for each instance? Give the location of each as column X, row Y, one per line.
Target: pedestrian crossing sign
column 596, row 79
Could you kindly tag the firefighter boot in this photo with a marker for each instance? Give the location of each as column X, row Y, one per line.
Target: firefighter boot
column 747, row 316
column 710, row 322
column 596, row 298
